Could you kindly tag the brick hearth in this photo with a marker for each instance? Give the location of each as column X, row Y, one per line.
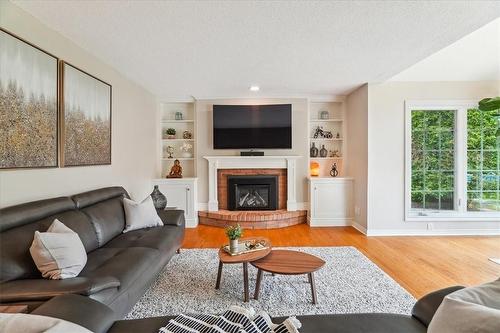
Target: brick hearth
column 253, row 219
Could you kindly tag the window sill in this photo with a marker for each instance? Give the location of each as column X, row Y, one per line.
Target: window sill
column 456, row 218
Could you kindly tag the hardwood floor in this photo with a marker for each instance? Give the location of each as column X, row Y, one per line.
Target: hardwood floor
column 419, row 264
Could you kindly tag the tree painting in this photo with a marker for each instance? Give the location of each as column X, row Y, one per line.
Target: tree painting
column 86, row 126
column 28, row 105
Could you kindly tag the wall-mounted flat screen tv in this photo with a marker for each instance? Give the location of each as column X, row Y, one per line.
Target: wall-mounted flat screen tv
column 252, row 126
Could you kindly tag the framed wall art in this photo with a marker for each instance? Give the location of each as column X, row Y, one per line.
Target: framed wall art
column 85, row 118
column 28, row 105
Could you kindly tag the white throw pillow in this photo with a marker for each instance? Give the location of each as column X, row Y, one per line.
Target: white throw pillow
column 474, row 309
column 58, row 253
column 27, row 323
column 139, row 215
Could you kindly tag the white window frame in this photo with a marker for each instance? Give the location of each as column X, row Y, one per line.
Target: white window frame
column 460, row 212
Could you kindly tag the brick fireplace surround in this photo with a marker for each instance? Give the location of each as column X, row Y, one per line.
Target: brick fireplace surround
column 283, row 167
column 222, row 183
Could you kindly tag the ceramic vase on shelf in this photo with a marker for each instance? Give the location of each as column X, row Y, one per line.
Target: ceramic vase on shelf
column 313, row 152
column 233, row 245
column 323, row 152
column 159, row 199
column 334, row 172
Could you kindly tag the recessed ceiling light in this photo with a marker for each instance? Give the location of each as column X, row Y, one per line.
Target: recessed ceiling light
column 254, row 88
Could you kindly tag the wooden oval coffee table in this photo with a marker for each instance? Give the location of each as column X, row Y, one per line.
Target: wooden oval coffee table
column 226, row 258
column 288, row 262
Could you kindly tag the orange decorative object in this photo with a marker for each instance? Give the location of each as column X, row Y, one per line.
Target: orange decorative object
column 314, row 169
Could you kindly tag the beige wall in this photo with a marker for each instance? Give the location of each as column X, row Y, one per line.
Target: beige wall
column 386, row 158
column 133, row 128
column 205, row 141
column 357, row 146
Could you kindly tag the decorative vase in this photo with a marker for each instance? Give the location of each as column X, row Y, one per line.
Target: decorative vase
column 186, row 154
column 314, row 150
column 323, row 152
column 159, row 200
column 233, row 245
column 324, row 115
column 334, row 172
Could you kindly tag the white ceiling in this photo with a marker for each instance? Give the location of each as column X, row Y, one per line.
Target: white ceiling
column 209, row 49
column 476, row 57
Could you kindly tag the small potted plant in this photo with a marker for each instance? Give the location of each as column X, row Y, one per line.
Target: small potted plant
column 234, row 232
column 170, row 133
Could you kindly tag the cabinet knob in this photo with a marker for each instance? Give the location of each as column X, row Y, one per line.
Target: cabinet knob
column 187, row 189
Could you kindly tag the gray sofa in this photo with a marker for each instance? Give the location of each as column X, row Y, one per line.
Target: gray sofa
column 120, row 266
column 100, row 319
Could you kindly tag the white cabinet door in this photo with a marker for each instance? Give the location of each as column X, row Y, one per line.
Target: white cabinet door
column 179, row 196
column 331, row 200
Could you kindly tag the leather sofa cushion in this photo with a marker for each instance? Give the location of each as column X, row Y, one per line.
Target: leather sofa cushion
column 358, row 323
column 80, row 310
column 108, row 219
column 16, row 216
column 160, row 238
column 15, row 243
column 330, row 323
column 89, row 198
column 145, row 325
column 125, row 264
column 42, row 289
column 172, row 216
column 425, row 307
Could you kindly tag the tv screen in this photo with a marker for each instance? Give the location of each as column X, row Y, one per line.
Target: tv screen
column 252, row 126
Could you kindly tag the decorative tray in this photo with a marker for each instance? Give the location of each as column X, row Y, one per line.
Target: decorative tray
column 247, row 246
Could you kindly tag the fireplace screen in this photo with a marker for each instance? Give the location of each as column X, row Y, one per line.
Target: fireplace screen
column 251, row 196
column 252, row 192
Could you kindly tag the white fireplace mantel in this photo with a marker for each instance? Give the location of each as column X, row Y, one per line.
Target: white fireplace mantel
column 252, row 162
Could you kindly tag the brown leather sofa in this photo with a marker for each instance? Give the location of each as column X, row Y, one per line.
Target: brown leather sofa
column 100, row 319
column 120, row 266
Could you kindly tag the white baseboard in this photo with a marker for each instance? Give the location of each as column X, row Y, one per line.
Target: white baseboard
column 329, row 222
column 359, row 227
column 192, row 223
column 442, row 232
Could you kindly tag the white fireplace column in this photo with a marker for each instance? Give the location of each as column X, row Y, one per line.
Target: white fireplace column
column 252, row 162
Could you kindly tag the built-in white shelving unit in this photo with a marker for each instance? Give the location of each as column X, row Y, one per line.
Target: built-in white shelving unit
column 168, row 112
column 336, row 125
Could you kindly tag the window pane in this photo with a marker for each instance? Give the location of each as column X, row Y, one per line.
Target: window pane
column 433, row 160
column 483, row 160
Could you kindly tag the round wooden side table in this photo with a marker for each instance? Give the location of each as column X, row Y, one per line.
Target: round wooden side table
column 288, row 262
column 226, row 258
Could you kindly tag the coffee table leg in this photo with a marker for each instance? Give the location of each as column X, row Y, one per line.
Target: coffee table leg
column 313, row 288
column 219, row 274
column 257, row 284
column 245, row 280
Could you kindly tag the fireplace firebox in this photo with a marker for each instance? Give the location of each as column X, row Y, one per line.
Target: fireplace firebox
column 255, row 192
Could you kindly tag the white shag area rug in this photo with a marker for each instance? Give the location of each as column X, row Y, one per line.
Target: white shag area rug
column 348, row 283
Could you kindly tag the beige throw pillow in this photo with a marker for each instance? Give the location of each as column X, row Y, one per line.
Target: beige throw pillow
column 474, row 309
column 59, row 252
column 139, row 215
column 26, row 323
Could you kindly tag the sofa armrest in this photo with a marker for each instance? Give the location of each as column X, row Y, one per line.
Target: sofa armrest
column 172, row 217
column 80, row 310
column 425, row 307
column 43, row 289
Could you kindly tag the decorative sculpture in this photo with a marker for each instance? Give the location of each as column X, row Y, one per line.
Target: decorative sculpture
column 176, row 170
column 320, row 133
